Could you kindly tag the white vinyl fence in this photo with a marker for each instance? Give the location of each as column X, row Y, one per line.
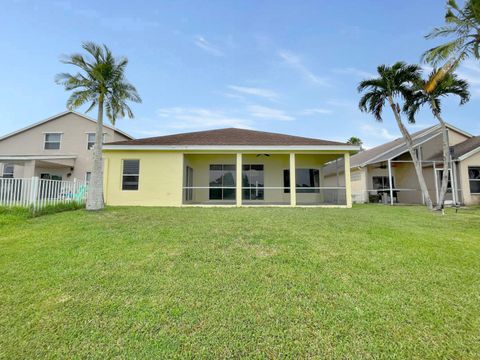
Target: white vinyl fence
column 37, row 193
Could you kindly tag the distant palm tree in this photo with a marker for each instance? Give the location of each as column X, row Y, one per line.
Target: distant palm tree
column 463, row 26
column 450, row 84
column 394, row 82
column 355, row 141
column 101, row 82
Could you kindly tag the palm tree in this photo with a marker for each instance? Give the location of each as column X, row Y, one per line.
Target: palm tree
column 463, row 26
column 101, row 82
column 450, row 84
column 355, row 141
column 394, row 82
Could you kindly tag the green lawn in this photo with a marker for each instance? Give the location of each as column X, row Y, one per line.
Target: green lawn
column 369, row 282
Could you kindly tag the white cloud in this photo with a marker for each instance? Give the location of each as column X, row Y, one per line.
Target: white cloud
column 264, row 93
column 205, row 45
column 199, row 118
column 316, row 111
column 379, row 132
column 355, row 72
column 264, row 112
column 296, row 63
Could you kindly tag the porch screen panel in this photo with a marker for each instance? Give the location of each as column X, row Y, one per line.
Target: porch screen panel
column 305, row 179
column 222, row 176
column 253, row 182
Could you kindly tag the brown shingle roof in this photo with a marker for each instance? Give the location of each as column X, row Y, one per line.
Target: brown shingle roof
column 228, row 136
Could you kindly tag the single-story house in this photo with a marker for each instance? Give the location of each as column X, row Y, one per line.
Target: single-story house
column 386, row 173
column 225, row 167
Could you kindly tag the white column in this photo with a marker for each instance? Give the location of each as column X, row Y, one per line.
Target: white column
column 293, row 180
column 455, row 196
column 435, row 179
column 348, row 180
column 390, row 181
column 238, row 182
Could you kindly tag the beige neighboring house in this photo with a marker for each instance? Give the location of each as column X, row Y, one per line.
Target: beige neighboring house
column 59, row 147
column 371, row 169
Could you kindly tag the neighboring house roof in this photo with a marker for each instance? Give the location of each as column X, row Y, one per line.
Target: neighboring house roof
column 397, row 147
column 60, row 115
column 391, row 149
column 462, row 150
column 228, row 137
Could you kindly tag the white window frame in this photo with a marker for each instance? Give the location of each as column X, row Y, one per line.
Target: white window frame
column 52, row 142
column 88, row 142
column 470, row 180
column 123, row 175
column 4, row 173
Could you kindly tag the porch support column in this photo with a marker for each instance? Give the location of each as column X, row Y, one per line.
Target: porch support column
column 455, row 193
column 238, row 182
column 390, row 180
column 293, row 180
column 436, row 180
column 29, row 169
column 348, row 182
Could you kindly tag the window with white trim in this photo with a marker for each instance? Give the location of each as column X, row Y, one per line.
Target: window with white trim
column 131, row 174
column 88, row 176
column 8, row 171
column 91, row 140
column 52, row 141
column 474, row 179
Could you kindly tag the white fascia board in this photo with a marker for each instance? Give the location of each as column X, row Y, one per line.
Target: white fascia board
column 463, row 132
column 372, row 161
column 234, row 148
column 470, row 153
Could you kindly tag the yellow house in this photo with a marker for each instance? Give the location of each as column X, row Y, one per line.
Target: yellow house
column 225, row 167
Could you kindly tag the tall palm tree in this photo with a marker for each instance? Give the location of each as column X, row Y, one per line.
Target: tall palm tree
column 450, row 84
column 354, row 140
column 463, row 27
column 394, row 83
column 100, row 82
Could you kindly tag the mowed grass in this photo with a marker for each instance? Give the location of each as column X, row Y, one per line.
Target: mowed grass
column 369, row 282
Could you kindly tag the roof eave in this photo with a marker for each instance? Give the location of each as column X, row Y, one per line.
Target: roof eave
column 349, row 148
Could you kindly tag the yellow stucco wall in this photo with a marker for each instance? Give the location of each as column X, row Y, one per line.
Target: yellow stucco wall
column 160, row 182
column 162, row 175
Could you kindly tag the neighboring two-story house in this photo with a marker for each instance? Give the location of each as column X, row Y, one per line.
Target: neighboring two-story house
column 59, row 147
column 371, row 170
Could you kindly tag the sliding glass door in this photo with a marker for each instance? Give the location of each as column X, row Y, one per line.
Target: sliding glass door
column 252, row 182
column 222, row 182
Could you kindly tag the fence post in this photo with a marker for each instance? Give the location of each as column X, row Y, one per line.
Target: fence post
column 33, row 191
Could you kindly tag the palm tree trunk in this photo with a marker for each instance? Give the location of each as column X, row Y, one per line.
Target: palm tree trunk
column 446, row 158
column 413, row 154
column 95, row 190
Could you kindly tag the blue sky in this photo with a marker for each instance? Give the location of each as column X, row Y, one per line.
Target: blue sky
column 281, row 66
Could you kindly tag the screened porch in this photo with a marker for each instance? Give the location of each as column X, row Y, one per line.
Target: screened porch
column 264, row 179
